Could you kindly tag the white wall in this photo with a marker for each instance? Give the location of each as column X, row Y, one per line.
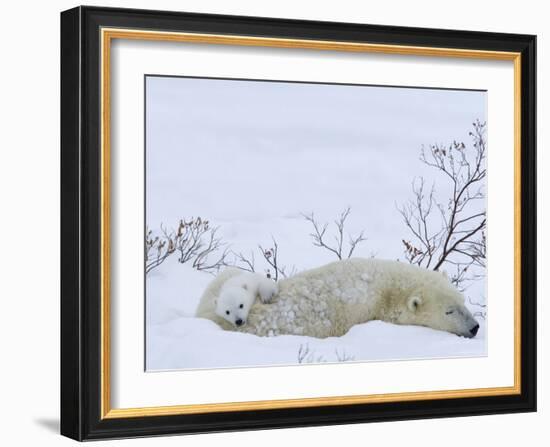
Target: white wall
column 29, row 222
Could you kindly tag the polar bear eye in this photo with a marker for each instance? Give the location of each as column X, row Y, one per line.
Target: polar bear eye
column 449, row 312
column 241, row 306
column 227, row 312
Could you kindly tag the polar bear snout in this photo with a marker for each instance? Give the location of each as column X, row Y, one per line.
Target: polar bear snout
column 240, row 322
column 473, row 330
column 469, row 326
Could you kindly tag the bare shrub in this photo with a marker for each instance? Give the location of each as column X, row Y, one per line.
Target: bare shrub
column 272, row 267
column 157, row 250
column 344, row 356
column 343, row 247
column 307, row 355
column 197, row 242
column 194, row 241
column 448, row 232
column 338, row 248
column 271, row 257
column 482, row 309
column 246, row 263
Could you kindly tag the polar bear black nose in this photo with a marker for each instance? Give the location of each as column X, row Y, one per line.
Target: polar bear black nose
column 474, row 330
column 239, row 322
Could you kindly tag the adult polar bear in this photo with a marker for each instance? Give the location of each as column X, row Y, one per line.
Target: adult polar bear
column 327, row 301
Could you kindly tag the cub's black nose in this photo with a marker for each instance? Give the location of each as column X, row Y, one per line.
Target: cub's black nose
column 474, row 330
column 239, row 322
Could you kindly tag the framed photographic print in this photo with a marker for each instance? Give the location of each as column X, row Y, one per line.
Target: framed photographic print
column 277, row 223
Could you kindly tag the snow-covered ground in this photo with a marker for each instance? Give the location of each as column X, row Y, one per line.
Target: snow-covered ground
column 252, row 157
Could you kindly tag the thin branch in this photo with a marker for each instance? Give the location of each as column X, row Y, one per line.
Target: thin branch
column 343, row 356
column 319, row 232
column 271, row 256
column 194, row 241
column 456, row 234
column 157, row 250
column 244, row 263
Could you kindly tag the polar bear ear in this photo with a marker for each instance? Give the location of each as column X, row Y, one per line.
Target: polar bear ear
column 414, row 302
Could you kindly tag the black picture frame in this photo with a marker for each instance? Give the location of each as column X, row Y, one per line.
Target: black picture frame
column 81, row 208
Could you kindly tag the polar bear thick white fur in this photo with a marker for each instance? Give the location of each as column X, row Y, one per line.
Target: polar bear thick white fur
column 327, row 301
column 239, row 292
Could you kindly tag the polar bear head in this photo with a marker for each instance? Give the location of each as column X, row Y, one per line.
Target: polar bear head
column 234, row 303
column 438, row 305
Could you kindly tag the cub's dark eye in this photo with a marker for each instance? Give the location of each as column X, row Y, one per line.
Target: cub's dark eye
column 227, row 312
column 241, row 306
column 449, row 312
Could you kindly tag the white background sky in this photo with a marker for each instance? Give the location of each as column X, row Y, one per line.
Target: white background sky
column 251, row 156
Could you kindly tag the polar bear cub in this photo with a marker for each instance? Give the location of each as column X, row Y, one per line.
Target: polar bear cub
column 239, row 293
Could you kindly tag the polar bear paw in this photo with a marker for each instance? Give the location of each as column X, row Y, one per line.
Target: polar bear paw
column 267, row 289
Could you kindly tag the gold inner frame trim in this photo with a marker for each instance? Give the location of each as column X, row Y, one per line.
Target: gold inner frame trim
column 107, row 35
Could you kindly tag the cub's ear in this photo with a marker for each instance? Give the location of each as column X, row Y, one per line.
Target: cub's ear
column 245, row 286
column 413, row 303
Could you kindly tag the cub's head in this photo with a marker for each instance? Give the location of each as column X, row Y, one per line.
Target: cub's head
column 440, row 306
column 233, row 305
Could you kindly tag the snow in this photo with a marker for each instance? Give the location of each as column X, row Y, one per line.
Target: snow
column 252, row 157
column 196, row 343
